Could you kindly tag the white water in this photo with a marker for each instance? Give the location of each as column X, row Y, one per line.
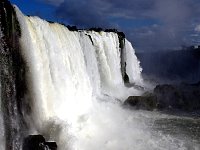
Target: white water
column 133, row 68
column 75, row 85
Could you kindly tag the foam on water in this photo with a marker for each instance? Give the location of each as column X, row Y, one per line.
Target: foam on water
column 74, row 84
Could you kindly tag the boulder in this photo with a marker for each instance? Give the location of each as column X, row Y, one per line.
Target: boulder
column 51, row 145
column 37, row 142
column 184, row 97
column 147, row 102
column 168, row 96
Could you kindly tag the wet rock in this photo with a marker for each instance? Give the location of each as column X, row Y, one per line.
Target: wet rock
column 126, row 78
column 51, row 145
column 111, row 30
column 184, row 97
column 147, row 102
column 12, row 74
column 168, row 96
column 72, row 28
column 96, row 29
column 37, row 142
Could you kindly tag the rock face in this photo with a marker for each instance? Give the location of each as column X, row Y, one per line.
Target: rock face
column 169, row 96
column 12, row 74
column 184, row 97
column 37, row 142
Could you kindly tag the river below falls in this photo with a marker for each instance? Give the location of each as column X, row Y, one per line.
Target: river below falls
column 182, row 129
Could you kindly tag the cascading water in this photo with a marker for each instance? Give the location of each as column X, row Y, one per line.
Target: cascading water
column 75, row 89
column 133, row 68
column 69, row 74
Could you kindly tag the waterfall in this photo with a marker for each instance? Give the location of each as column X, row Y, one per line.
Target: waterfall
column 70, row 87
column 133, row 68
column 75, row 83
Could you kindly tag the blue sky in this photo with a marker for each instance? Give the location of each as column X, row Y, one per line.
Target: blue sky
column 148, row 24
column 32, row 7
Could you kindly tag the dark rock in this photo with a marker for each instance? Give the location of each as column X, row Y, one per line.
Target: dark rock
column 121, row 38
column 96, row 29
column 90, row 39
column 33, row 142
column 51, row 22
column 37, row 142
column 51, row 145
column 168, row 96
column 12, row 75
column 111, row 30
column 72, row 28
column 121, row 34
column 184, row 97
column 148, row 102
column 126, row 78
